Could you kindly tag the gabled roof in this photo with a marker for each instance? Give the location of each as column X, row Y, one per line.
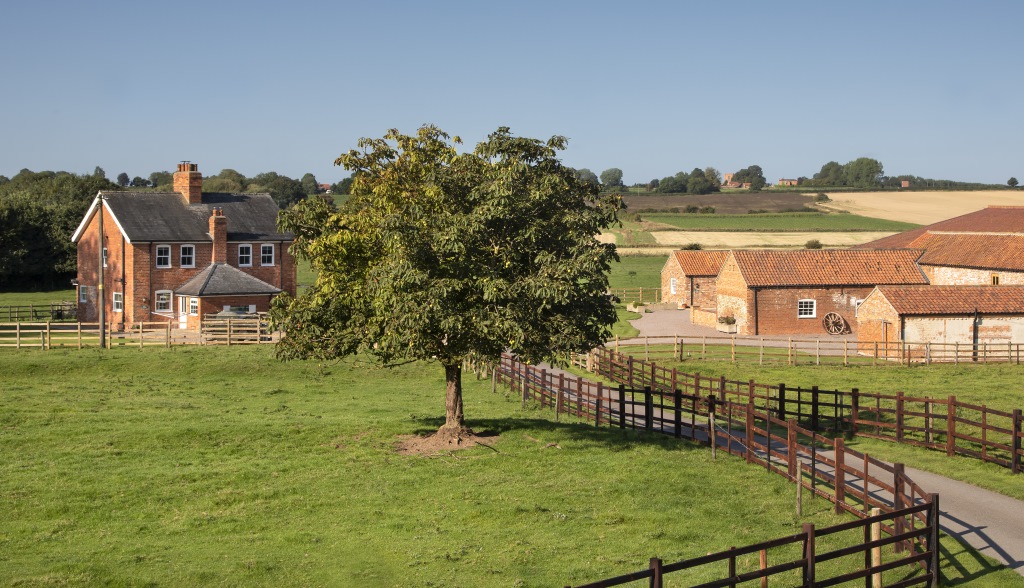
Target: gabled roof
column 954, row 300
column 994, row 219
column 973, row 250
column 221, row 279
column 700, row 263
column 829, row 267
column 164, row 216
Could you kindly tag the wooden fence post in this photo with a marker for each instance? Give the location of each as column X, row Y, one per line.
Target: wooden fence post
column 840, row 474
column 79, row 332
column 622, row 406
column 897, row 502
column 815, row 407
column 951, row 427
column 790, row 449
column 721, row 388
column 873, row 557
column 1015, row 459
column 899, row 416
column 559, row 400
column 933, row 539
column 648, row 409
column 809, row 553
column 597, row 405
column 656, row 574
column 678, row 409
column 749, row 433
column 782, row 402
column 854, row 409
column 711, row 427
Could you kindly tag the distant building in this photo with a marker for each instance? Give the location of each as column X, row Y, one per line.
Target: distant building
column 788, row 182
column 688, row 277
column 904, row 183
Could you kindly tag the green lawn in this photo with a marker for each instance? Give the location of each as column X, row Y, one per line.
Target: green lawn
column 27, row 298
column 637, row 271
column 221, row 466
column 796, row 222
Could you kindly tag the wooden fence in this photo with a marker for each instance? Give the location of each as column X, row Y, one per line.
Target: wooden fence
column 637, row 295
column 947, row 424
column 830, row 351
column 852, row 481
column 227, row 331
column 55, row 311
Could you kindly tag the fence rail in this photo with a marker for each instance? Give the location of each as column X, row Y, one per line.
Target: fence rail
column 947, row 424
column 637, row 295
column 854, row 482
column 54, row 311
column 50, row 335
column 829, row 351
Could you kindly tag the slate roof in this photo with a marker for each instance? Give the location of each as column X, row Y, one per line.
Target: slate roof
column 146, row 217
column 830, row 267
column 972, row 250
column 994, row 219
column 700, row 263
column 221, row 279
column 954, row 300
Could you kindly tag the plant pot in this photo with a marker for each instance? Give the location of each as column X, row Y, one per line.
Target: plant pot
column 726, row 328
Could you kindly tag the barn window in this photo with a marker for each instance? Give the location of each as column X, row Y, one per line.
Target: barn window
column 672, row 285
column 163, row 301
column 266, row 255
column 188, row 256
column 995, row 279
column 118, row 302
column 163, row 256
column 806, row 308
column 244, row 255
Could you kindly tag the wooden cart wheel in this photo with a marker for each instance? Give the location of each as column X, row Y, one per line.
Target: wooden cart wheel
column 834, row 324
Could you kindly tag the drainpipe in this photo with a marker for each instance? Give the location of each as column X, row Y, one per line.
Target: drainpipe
column 974, row 336
column 100, row 295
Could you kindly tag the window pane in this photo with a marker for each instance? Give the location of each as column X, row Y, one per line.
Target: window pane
column 163, row 301
column 187, row 255
column 267, row 254
column 245, row 255
column 163, row 256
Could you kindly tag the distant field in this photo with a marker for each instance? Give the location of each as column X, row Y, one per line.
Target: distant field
column 728, row 203
column 922, row 207
column 27, row 298
column 743, row 239
column 809, row 221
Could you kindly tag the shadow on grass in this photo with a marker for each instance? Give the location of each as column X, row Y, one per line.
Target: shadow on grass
column 607, row 437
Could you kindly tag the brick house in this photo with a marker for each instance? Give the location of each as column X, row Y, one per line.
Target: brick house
column 177, row 256
column 966, row 315
column 688, row 277
column 788, row 182
column 791, row 292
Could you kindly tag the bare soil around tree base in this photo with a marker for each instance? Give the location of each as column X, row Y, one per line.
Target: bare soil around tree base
column 443, row 441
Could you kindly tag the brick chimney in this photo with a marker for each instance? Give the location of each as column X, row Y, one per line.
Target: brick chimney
column 219, row 233
column 189, row 182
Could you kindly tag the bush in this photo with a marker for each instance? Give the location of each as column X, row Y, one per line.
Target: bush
column 727, row 320
column 707, row 210
column 813, row 244
column 758, row 211
column 822, row 197
column 692, row 247
column 692, row 209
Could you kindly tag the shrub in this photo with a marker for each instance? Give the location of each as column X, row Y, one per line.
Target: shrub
column 692, row 209
column 813, row 244
column 692, row 247
column 727, row 320
column 707, row 210
column 757, row 211
column 822, row 197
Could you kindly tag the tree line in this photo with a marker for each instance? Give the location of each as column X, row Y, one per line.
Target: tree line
column 39, row 212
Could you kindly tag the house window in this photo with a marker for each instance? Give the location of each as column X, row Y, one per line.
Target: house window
column 806, row 308
column 193, row 306
column 83, row 293
column 245, row 255
column 163, row 301
column 266, row 255
column 995, row 279
column 188, row 256
column 163, row 256
column 118, row 302
column 672, row 285
column 104, row 257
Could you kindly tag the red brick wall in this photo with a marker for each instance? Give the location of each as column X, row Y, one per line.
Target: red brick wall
column 733, row 298
column 777, row 309
column 670, row 271
column 88, row 269
column 877, row 321
column 703, row 292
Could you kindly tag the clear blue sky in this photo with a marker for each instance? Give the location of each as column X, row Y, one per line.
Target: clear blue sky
column 932, row 88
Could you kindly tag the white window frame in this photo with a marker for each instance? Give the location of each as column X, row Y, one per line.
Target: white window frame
column 168, row 256
column 671, row 285
column 170, row 301
column 83, row 293
column 117, row 301
column 247, row 246
column 264, row 255
column 802, row 312
column 104, row 257
column 193, row 306
column 181, row 255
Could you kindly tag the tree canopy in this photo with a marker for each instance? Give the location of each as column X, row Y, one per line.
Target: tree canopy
column 611, row 178
column 442, row 256
column 1012, row 182
column 753, row 175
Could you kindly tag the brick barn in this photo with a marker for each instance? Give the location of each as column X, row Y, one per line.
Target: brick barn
column 688, row 277
column 176, row 256
column 993, row 219
column 794, row 292
column 966, row 315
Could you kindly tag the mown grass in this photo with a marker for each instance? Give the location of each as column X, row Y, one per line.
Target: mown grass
column 637, row 271
column 202, row 466
column 772, row 223
column 40, row 298
column 995, row 385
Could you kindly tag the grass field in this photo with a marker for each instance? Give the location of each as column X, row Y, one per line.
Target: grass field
column 995, row 385
column 221, row 466
column 26, row 298
column 799, row 222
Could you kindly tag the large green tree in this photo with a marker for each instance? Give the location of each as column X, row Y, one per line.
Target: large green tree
column 753, row 175
column 611, row 178
column 863, row 172
column 443, row 256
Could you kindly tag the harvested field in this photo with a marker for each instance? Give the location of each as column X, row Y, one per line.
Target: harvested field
column 921, row 207
column 737, row 203
column 738, row 240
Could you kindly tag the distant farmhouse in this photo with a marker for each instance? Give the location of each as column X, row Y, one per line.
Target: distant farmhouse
column 177, row 256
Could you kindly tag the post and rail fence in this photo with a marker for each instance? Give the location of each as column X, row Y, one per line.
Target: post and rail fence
column 854, row 482
column 53, row 312
column 944, row 424
column 213, row 331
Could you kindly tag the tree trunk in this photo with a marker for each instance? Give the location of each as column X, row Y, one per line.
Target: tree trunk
column 454, row 428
